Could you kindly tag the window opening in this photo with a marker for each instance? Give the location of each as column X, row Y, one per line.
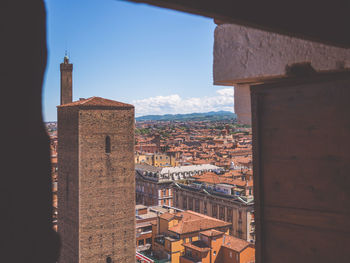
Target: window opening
column 108, row 144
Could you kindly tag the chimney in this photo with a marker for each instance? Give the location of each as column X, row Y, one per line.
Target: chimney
column 66, row 81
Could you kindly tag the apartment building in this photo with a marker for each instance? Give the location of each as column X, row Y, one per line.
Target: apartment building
column 155, row 159
column 216, row 246
column 175, row 229
column 151, row 188
column 237, row 210
column 153, row 184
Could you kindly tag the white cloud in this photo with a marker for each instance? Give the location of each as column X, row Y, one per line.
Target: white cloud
column 173, row 104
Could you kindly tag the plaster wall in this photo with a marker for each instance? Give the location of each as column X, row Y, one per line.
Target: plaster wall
column 242, row 104
column 243, row 54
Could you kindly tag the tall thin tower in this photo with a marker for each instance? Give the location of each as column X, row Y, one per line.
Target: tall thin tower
column 66, row 81
column 96, row 181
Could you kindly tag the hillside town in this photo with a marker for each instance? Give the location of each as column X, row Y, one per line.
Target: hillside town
column 221, row 134
column 194, row 186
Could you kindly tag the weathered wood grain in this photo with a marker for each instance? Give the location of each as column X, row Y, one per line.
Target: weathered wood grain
column 301, row 154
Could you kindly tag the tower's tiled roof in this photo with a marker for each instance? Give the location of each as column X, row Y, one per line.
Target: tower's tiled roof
column 97, row 102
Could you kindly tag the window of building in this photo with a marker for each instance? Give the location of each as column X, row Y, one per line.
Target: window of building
column 239, row 232
column 222, row 213
column 205, row 211
column 164, row 192
column 229, row 215
column 214, row 210
column 176, row 199
column 108, row 144
column 141, row 242
column 108, row 260
column 196, row 205
column 148, row 240
column 184, row 203
column 190, row 203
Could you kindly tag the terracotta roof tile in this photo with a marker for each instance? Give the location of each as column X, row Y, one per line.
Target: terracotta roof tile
column 197, row 245
column 212, row 233
column 167, row 216
column 235, row 243
column 192, row 222
column 97, row 102
column 213, row 178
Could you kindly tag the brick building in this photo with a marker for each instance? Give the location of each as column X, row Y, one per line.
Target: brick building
column 173, row 230
column 145, row 216
column 238, row 210
column 96, row 185
column 216, row 246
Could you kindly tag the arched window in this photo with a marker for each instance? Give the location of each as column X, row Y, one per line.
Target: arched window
column 108, row 260
column 108, row 144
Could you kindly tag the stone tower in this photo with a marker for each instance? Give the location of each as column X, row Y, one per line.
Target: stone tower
column 66, row 81
column 96, row 182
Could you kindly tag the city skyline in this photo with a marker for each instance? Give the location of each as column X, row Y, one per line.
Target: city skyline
column 160, row 62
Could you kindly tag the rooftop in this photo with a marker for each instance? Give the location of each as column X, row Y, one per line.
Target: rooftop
column 148, row 168
column 212, row 233
column 197, row 245
column 97, row 102
column 137, row 207
column 190, row 221
column 235, row 243
column 189, row 168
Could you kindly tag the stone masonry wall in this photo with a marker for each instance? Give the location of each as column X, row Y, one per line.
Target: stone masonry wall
column 66, row 83
column 68, row 184
column 107, row 186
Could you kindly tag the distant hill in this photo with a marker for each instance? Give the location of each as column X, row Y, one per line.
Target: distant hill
column 212, row 115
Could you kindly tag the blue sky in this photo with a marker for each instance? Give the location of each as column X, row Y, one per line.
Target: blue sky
column 157, row 59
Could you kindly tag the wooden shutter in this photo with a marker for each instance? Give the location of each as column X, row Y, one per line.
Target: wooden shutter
column 301, row 156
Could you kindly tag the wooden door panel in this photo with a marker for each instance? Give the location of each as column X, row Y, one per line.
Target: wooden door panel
column 301, row 156
column 290, row 243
